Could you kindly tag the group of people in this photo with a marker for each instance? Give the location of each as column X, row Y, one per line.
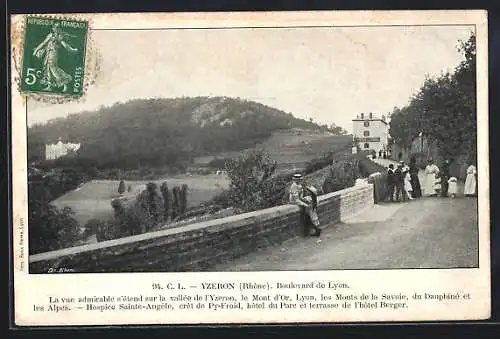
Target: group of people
column 382, row 154
column 404, row 184
column 307, row 197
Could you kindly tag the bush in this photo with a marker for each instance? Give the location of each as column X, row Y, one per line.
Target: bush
column 341, row 175
column 121, row 187
column 166, row 200
column 175, row 202
column 249, row 175
column 183, row 199
column 50, row 229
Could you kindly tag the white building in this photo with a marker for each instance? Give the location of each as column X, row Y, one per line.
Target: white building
column 54, row 151
column 370, row 132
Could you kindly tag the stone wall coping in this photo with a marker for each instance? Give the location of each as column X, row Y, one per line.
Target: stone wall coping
column 241, row 219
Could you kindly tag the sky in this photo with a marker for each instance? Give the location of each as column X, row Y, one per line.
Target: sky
column 329, row 74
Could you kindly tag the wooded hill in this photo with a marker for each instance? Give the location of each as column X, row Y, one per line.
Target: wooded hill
column 163, row 132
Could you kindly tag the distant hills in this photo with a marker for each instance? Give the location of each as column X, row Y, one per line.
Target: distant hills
column 164, row 132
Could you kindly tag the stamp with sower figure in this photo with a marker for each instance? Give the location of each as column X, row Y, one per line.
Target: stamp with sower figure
column 54, row 56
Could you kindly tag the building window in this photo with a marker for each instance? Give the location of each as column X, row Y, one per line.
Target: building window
column 367, row 145
column 366, row 133
column 367, row 124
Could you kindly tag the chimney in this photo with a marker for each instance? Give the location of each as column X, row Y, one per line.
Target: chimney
column 371, row 115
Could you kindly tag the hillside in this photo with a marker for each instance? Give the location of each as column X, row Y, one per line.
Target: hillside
column 163, row 132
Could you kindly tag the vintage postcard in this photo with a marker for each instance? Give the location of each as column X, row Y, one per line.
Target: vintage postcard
column 272, row 167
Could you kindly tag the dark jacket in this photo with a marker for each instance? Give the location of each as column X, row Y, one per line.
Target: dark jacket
column 390, row 177
column 399, row 176
column 445, row 170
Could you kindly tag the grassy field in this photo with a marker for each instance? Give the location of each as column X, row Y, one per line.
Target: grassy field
column 93, row 199
column 291, row 149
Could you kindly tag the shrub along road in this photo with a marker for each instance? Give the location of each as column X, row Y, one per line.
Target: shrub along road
column 424, row 233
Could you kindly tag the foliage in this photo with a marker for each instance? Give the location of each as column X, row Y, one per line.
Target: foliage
column 50, row 228
column 149, row 210
column 366, row 167
column 219, row 163
column 121, row 187
column 444, row 109
column 97, row 227
column 166, row 200
column 248, row 177
column 183, row 199
column 327, row 159
column 161, row 132
column 341, row 175
column 175, row 203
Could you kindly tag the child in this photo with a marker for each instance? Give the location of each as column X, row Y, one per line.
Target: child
column 408, row 187
column 437, row 185
column 452, row 187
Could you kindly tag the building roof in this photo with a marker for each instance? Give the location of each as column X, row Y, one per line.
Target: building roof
column 385, row 122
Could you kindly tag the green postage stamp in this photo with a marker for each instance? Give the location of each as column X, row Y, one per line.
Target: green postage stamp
column 54, row 56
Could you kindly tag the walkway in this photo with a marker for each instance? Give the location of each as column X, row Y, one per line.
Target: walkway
column 430, row 232
column 423, row 233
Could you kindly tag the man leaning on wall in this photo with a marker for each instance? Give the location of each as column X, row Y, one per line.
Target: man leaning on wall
column 295, row 196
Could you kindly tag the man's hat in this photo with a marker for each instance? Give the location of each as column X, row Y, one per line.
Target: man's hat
column 297, row 176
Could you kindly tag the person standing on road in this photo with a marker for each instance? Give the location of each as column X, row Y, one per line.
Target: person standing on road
column 407, row 182
column 416, row 190
column 445, row 176
column 399, row 181
column 431, row 171
column 390, row 183
column 470, row 181
column 452, row 187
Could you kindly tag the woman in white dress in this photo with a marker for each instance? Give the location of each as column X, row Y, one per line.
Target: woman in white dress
column 431, row 170
column 408, row 186
column 470, row 181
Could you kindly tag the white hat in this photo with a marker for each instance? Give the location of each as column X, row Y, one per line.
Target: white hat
column 297, row 176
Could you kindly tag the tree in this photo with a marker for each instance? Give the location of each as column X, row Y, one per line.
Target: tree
column 50, row 228
column 175, row 202
column 166, row 200
column 121, row 187
column 341, row 175
column 247, row 176
column 444, row 109
column 153, row 202
column 183, row 199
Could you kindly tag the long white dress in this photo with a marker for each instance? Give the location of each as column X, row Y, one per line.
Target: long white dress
column 429, row 187
column 470, row 181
